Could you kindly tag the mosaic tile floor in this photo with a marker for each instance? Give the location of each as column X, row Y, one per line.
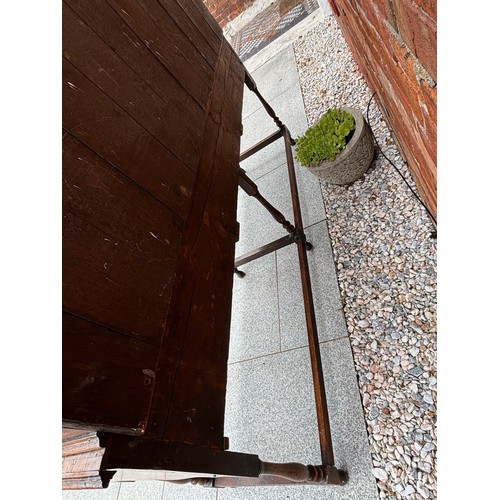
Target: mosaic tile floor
column 269, row 24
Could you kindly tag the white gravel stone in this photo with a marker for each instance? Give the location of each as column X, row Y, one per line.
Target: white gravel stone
column 386, row 266
column 380, row 474
column 409, row 490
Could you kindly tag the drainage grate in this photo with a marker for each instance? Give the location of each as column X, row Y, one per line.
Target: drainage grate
column 272, row 22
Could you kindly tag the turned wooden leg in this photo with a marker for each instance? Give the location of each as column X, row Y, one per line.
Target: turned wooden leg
column 296, row 472
column 251, row 189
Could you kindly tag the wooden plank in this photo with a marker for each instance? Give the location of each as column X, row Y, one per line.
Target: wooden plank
column 194, row 354
column 87, row 461
column 170, row 46
column 102, row 19
column 208, row 46
column 203, row 9
column 82, row 455
column 191, row 18
column 103, row 126
column 94, row 58
column 91, row 482
column 106, row 377
column 82, row 441
column 197, row 5
column 70, row 434
column 120, row 247
column 205, row 351
column 156, row 455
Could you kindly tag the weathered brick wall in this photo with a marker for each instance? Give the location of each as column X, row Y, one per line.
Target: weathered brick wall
column 394, row 43
column 225, row 11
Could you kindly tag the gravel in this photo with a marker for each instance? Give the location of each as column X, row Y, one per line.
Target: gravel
column 386, row 266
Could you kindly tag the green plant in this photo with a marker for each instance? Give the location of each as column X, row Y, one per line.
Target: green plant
column 326, row 139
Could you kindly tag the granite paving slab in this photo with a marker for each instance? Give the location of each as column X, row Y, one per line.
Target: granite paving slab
column 255, row 311
column 272, row 78
column 329, row 315
column 270, row 411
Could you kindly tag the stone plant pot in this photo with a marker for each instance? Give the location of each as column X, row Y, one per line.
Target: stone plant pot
column 354, row 160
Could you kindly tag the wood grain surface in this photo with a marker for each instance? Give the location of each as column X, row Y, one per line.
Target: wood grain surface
column 152, row 96
column 120, row 245
column 129, row 90
column 190, row 399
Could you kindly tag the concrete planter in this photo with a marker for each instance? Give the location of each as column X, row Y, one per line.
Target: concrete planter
column 354, row 160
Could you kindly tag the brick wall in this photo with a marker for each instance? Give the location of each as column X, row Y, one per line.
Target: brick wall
column 225, row 11
column 394, row 43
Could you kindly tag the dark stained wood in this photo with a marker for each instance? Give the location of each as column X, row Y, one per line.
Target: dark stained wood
column 170, row 46
column 194, row 355
column 99, row 281
column 98, row 122
column 120, row 246
column 251, row 189
column 325, row 435
column 157, row 455
column 102, row 19
column 261, row 145
column 264, row 250
column 206, row 43
column 152, row 97
column 207, row 17
column 199, row 17
column 108, row 377
column 93, row 57
column 286, row 474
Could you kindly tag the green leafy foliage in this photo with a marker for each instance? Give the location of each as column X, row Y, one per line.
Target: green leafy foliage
column 326, row 139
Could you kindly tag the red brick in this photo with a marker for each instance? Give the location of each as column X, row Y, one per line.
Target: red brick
column 349, row 5
column 419, row 32
column 389, row 13
column 225, row 11
column 408, row 102
column 372, row 13
column 429, row 7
